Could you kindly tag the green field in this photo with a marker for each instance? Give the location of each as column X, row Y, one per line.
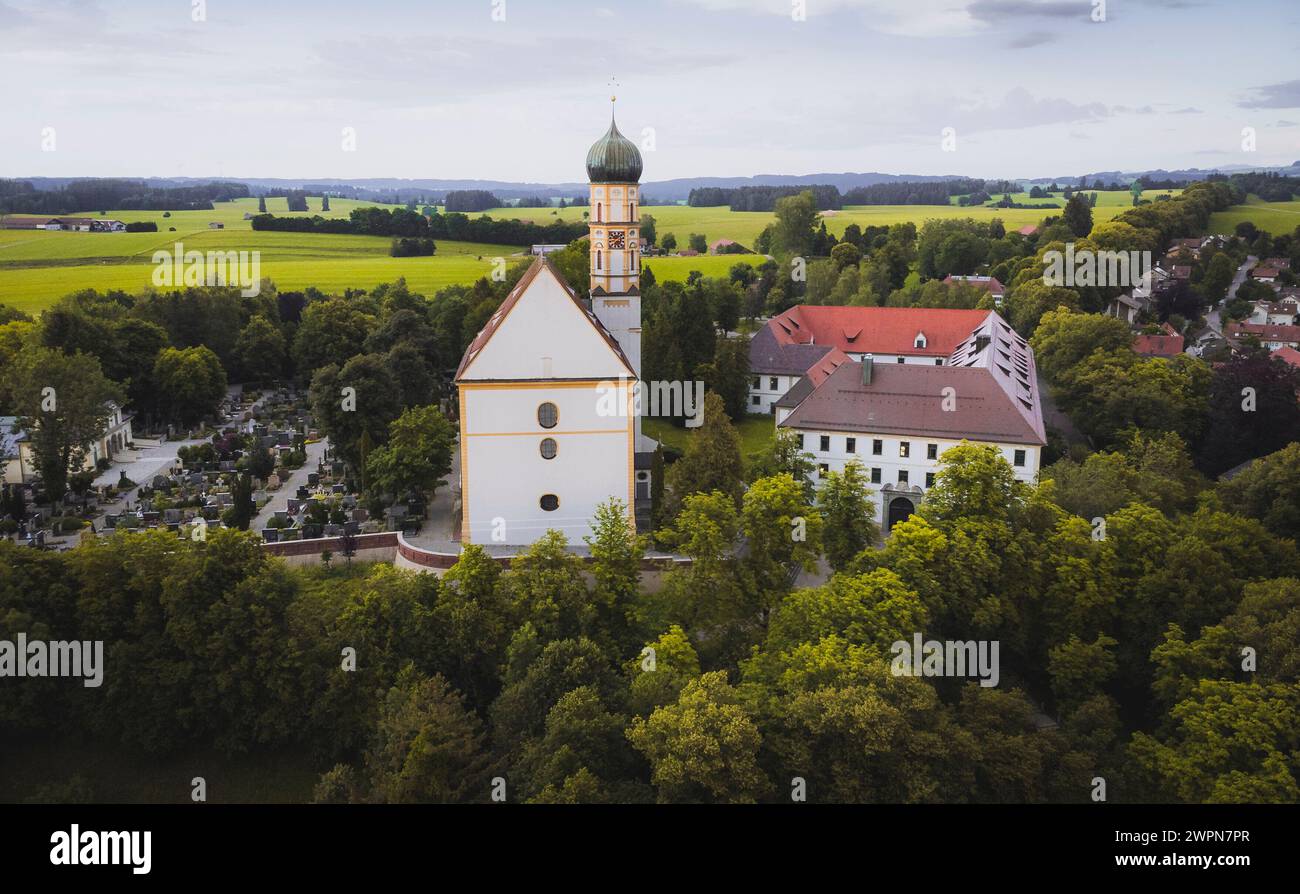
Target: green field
column 38, row 268
column 1275, row 217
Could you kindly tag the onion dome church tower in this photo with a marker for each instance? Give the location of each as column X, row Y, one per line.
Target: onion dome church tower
column 614, row 221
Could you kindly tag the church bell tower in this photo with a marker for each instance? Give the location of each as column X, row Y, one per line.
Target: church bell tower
column 614, row 224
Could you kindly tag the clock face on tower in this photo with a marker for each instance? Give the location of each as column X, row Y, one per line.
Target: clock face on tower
column 616, row 239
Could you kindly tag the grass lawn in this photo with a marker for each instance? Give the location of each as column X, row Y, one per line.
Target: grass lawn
column 755, row 432
column 1275, row 217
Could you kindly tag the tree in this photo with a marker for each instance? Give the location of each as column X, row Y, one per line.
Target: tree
column 1229, row 743
column 261, row 351
column 332, row 331
column 1252, row 410
column 784, row 453
column 616, row 552
column 426, row 748
column 698, row 242
column 62, row 401
column 1269, row 490
column 669, row 242
column 849, row 514
column 781, row 531
column 1064, row 337
column 647, row 228
column 1078, row 216
column 728, row 375
column 702, row 748
column 795, row 227
column 711, row 461
column 1218, row 277
column 416, row 456
column 261, row 204
column 191, row 383
column 242, row 508
column 324, row 203
column 365, row 411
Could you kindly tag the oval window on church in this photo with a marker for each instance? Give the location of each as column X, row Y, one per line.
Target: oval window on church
column 548, row 448
column 549, row 502
column 547, row 415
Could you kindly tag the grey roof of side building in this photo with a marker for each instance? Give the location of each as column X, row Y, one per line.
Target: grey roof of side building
column 908, row 400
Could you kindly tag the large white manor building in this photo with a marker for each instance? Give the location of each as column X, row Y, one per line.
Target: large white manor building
column 539, row 447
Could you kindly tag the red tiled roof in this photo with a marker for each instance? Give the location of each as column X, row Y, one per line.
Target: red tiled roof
column 1263, row 331
column 1158, row 345
column 877, row 330
column 1027, row 230
column 1289, row 355
column 1262, row 272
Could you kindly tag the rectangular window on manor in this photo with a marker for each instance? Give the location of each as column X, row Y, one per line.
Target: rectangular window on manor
column 902, row 476
column 877, row 447
column 904, row 448
column 851, row 445
column 1020, row 458
column 929, row 479
column 822, row 469
column 931, row 451
column 771, row 383
column 875, row 475
column 826, row 443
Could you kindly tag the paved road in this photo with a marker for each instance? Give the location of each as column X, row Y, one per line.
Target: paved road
column 1214, row 319
column 280, row 498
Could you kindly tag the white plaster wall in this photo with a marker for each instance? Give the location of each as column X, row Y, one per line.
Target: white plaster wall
column 504, row 474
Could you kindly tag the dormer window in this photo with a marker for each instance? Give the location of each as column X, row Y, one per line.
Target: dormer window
column 920, row 340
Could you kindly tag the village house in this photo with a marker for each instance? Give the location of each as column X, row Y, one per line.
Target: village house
column 898, row 420
column 1282, row 312
column 1271, row 337
column 792, row 342
column 20, row 459
column 1168, row 343
column 989, row 284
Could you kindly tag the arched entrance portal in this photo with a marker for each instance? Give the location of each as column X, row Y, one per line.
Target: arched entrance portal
column 899, row 510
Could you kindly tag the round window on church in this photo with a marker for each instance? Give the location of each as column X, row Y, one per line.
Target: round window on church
column 548, row 448
column 547, row 415
column 550, row 502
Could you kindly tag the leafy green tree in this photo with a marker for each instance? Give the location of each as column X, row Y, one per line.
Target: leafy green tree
column 702, row 748
column 795, row 227
column 427, row 748
column 1078, row 216
column 1268, row 490
column 781, row 530
column 62, row 401
column 416, row 456
column 698, row 242
column 849, row 514
column 728, row 375
column 364, row 412
column 191, row 383
column 711, row 461
column 1229, row 743
column 1064, row 337
column 261, row 351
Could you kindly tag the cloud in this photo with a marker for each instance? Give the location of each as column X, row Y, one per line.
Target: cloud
column 1274, row 96
column 1000, row 11
column 1030, row 39
column 1189, row 110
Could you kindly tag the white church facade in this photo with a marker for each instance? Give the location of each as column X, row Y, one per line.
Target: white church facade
column 539, row 447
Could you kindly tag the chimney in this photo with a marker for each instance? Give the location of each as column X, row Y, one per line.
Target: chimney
column 866, row 369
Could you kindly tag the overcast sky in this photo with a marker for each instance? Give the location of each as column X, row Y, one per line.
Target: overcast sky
column 441, row 88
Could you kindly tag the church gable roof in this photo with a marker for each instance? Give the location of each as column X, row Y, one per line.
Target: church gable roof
column 541, row 320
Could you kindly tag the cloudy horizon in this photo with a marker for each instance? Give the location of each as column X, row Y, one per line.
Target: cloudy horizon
column 516, row 90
